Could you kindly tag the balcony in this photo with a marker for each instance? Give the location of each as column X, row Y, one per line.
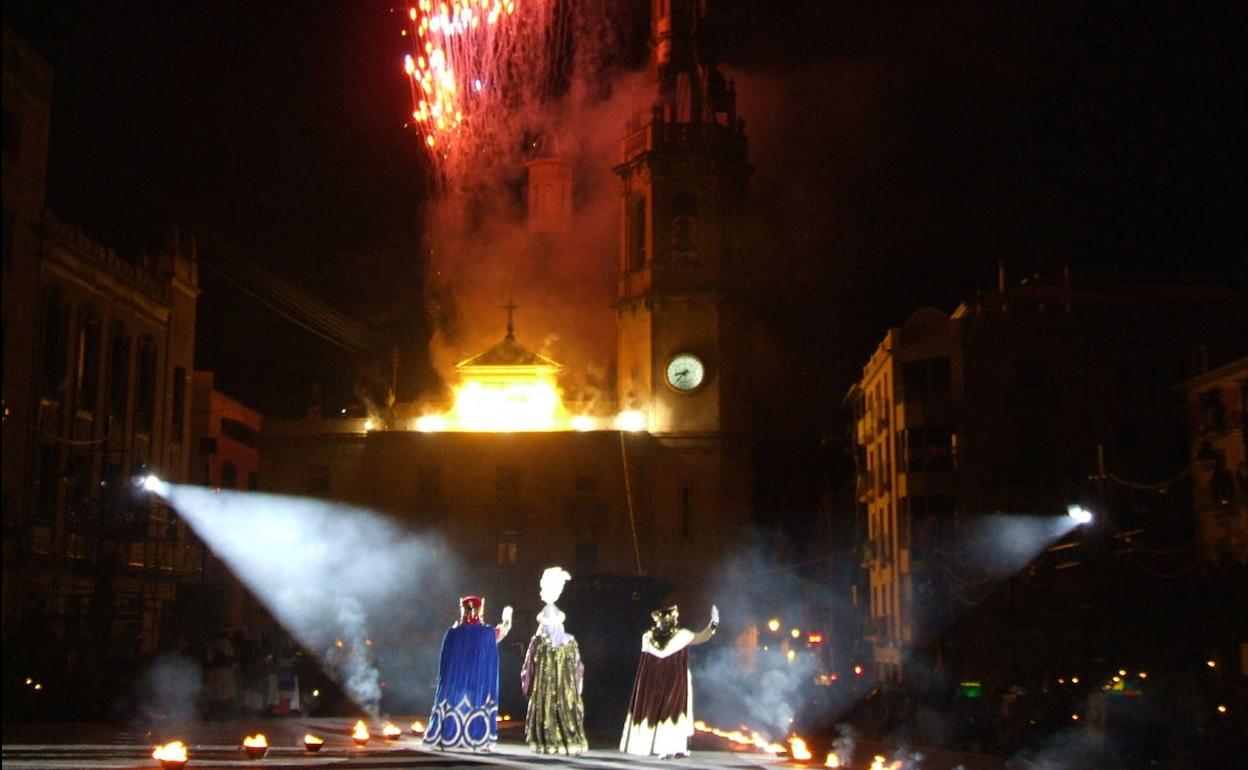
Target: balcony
column 865, row 486
column 683, row 137
column 919, row 412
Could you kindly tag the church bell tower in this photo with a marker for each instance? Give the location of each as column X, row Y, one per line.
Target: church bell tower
column 684, row 177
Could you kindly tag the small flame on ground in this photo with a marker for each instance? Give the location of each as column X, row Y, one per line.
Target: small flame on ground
column 798, row 749
column 390, row 731
column 877, row 763
column 361, row 732
column 833, row 760
column 743, row 737
column 174, row 751
column 313, row 740
column 418, row 726
column 256, row 741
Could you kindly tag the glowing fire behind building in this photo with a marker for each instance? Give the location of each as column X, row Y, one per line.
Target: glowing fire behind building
column 509, row 388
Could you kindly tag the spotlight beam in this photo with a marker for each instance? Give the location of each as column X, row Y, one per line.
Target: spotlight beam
column 341, row 579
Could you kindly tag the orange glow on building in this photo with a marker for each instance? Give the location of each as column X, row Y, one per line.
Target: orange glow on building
column 509, row 388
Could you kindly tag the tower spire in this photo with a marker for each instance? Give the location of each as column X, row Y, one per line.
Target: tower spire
column 690, row 88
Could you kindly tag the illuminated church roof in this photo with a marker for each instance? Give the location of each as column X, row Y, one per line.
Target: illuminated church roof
column 509, row 353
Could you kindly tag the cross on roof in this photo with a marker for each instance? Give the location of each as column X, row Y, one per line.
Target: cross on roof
column 510, row 307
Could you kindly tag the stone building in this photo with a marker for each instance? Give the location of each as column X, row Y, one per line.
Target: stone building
column 1023, row 401
column 225, row 454
column 98, row 354
column 1216, row 402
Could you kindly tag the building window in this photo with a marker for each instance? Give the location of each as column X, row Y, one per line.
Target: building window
column 48, row 492
column 229, row 475
column 119, row 376
column 237, row 431
column 684, row 224
column 87, row 374
column 507, row 478
column 1212, row 412
column 177, row 421
column 318, row 480
column 926, row 379
column 145, row 406
column 927, row 449
column 55, row 342
column 81, row 500
column 507, row 549
column 637, row 234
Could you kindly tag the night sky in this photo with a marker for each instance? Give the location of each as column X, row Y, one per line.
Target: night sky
column 901, row 151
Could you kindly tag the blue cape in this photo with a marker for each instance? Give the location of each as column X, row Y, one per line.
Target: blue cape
column 465, row 709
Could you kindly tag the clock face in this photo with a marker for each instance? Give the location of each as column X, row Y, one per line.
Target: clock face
column 685, row 372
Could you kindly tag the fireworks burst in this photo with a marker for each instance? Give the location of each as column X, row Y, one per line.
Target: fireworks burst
column 485, row 76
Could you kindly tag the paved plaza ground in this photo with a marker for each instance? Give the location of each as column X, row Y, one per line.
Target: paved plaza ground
column 45, row 746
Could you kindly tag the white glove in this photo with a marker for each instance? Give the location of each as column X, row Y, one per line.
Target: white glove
column 507, row 614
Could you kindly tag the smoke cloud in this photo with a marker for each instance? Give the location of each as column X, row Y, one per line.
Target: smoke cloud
column 169, row 691
column 567, row 100
column 369, row 598
column 763, row 679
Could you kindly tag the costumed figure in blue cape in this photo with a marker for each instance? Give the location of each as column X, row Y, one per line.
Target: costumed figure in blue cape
column 465, row 710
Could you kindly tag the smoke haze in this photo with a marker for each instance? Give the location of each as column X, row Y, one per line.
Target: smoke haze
column 361, row 593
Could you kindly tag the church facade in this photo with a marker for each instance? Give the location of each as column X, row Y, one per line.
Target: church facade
column 665, row 500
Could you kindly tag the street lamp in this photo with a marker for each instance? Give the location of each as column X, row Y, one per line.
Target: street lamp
column 1080, row 514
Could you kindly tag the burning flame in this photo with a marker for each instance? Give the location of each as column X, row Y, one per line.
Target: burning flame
column 256, row 741
column 630, row 420
column 523, row 407
column 833, row 760
column 390, row 731
column 877, row 763
column 418, row 726
column 515, row 404
column 313, row 740
column 174, row 751
column 361, row 732
column 507, row 397
column 743, row 737
column 798, row 749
